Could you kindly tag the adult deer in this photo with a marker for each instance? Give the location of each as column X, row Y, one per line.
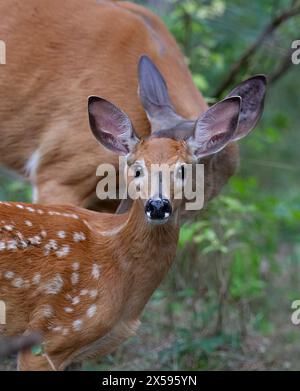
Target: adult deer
column 60, row 52
column 82, row 278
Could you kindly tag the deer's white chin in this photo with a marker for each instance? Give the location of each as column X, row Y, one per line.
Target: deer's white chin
column 158, row 221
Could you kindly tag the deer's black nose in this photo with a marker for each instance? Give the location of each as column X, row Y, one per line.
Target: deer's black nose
column 158, row 209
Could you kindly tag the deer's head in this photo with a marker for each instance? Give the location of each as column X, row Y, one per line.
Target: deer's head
column 174, row 141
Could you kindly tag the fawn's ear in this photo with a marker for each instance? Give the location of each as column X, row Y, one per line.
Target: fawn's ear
column 111, row 126
column 252, row 91
column 216, row 127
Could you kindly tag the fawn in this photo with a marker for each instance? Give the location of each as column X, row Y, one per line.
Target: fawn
column 82, row 278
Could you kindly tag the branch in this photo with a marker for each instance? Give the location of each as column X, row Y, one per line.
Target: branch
column 245, row 58
column 12, row 345
column 283, row 67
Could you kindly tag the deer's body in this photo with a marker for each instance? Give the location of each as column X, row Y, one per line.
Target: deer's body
column 58, row 53
column 65, row 276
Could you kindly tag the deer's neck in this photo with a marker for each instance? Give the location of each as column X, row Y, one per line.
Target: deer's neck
column 146, row 251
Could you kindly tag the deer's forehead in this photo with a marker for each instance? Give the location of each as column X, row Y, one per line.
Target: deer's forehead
column 160, row 150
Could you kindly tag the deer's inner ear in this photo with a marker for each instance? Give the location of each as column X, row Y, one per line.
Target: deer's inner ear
column 111, row 126
column 216, row 127
column 252, row 92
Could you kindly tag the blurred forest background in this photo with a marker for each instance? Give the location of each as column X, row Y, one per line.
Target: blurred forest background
column 227, row 302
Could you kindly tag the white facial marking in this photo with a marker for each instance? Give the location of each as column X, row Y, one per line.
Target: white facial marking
column 91, row 311
column 78, row 236
column 53, row 286
column 61, row 234
column 74, row 278
column 9, row 275
column 36, row 279
column 96, row 271
column 77, row 324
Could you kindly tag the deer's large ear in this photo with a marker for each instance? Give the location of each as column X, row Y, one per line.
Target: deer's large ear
column 252, row 91
column 216, row 127
column 154, row 96
column 111, row 126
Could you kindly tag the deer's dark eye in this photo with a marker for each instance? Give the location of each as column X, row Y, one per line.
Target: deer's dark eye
column 138, row 171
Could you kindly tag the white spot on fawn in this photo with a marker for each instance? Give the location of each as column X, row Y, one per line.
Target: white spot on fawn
column 47, row 311
column 93, row 293
column 11, row 245
column 75, row 266
column 84, row 292
column 43, row 233
column 75, row 300
column 36, row 279
column 68, row 309
column 53, row 286
column 9, row 275
column 8, row 227
column 18, row 282
column 77, row 324
column 20, row 206
column 96, row 271
column 2, row 246
column 61, row 234
column 51, row 245
column 78, row 236
column 35, row 240
column 91, row 311
column 63, row 251
column 74, row 278
column 28, row 223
